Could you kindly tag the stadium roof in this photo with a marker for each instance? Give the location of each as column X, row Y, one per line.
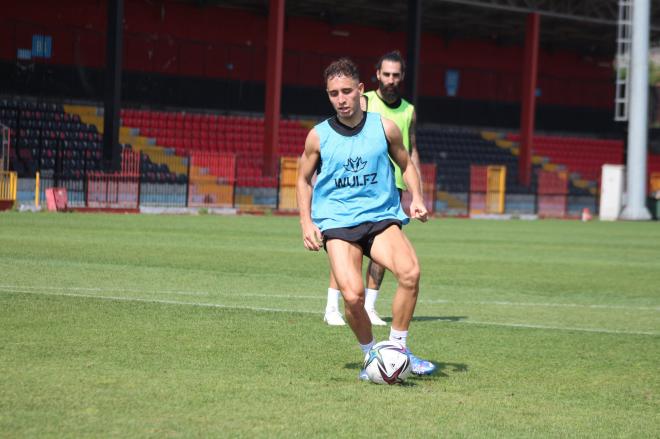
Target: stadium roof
column 587, row 26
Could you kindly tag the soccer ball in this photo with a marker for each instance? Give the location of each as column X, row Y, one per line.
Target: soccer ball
column 387, row 362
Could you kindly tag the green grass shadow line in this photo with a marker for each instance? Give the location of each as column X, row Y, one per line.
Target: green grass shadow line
column 432, row 318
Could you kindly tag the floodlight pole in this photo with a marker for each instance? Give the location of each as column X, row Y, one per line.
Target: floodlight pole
column 528, row 97
column 275, row 45
column 638, row 116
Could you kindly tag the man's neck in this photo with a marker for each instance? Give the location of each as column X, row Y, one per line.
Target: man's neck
column 352, row 121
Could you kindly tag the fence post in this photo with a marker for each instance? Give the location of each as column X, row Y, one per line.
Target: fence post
column 139, row 180
column 188, row 178
column 233, row 193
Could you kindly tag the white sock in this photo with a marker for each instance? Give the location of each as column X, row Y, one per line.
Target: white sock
column 366, row 347
column 333, row 300
column 370, row 298
column 399, row 336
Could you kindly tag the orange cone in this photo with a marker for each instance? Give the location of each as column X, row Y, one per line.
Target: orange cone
column 586, row 214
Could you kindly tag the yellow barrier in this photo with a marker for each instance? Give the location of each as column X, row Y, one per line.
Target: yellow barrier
column 286, row 197
column 8, row 185
column 495, row 190
column 36, row 190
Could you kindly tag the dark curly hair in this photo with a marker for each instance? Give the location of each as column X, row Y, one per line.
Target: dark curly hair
column 342, row 67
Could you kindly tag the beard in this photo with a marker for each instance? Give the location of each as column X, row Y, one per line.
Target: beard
column 390, row 93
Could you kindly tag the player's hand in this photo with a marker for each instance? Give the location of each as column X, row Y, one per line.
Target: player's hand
column 418, row 211
column 312, row 238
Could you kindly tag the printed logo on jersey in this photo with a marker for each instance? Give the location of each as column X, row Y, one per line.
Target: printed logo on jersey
column 355, row 166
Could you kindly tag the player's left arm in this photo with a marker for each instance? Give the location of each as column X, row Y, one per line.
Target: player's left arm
column 414, row 153
column 410, row 174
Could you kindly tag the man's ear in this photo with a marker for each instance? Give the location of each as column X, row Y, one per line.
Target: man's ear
column 361, row 87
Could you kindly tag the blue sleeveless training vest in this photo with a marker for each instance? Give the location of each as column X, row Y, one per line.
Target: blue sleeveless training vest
column 355, row 183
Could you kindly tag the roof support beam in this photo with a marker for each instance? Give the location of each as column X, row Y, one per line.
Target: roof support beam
column 273, row 84
column 413, row 36
column 112, row 95
column 528, row 97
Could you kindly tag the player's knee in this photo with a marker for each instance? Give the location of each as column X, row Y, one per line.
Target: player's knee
column 353, row 299
column 409, row 276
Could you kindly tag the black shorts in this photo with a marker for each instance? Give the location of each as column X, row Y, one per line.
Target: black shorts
column 362, row 234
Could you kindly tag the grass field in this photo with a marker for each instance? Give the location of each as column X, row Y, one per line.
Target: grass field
column 208, row 326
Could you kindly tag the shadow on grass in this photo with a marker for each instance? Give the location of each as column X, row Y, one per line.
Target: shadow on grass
column 432, row 318
column 438, row 318
column 444, row 370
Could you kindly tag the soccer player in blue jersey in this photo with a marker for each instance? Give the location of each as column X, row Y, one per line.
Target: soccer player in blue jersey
column 388, row 102
column 354, row 210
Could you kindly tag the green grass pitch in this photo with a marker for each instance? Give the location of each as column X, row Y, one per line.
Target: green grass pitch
column 207, row 326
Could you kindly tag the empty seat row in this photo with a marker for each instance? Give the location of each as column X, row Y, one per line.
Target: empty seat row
column 23, row 104
column 56, row 125
column 582, row 156
column 197, row 117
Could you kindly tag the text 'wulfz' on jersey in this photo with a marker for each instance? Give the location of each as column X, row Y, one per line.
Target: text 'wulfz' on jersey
column 354, row 166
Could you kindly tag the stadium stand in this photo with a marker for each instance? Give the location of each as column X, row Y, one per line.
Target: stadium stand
column 243, row 135
column 65, row 141
column 59, row 144
column 167, row 137
column 159, row 164
column 455, row 149
column 48, row 139
column 583, row 158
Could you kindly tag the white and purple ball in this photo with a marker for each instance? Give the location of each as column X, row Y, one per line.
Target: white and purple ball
column 387, row 362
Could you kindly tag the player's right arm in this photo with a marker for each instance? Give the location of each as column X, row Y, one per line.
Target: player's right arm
column 307, row 165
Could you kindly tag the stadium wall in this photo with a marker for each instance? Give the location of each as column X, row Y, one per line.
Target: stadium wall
column 158, row 90
column 229, row 45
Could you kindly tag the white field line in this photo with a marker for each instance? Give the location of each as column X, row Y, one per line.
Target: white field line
column 543, row 304
column 167, row 292
column 561, row 328
column 161, row 301
column 284, row 310
column 322, row 296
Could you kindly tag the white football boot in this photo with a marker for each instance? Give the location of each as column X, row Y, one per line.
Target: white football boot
column 375, row 318
column 333, row 318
